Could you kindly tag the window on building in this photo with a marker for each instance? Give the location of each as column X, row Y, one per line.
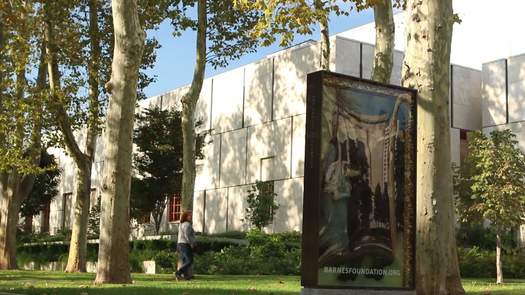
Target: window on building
column 44, row 227
column 463, row 134
column 174, row 208
column 463, row 145
column 66, row 210
column 144, row 219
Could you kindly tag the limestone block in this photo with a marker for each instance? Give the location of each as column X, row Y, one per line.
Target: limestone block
column 395, row 78
column 521, row 236
column 258, row 92
column 466, row 98
column 517, row 101
column 298, row 145
column 227, row 100
column 290, row 70
column 269, row 151
column 207, row 169
column 333, row 57
column 96, row 173
column 516, row 87
column 517, row 128
column 233, row 158
column 493, row 103
column 91, row 266
column 290, row 199
column 198, row 211
column 367, row 60
column 347, row 55
column 172, row 99
column 55, row 215
column 237, row 205
column 149, row 267
column 203, row 109
column 148, row 103
column 216, row 206
column 516, row 68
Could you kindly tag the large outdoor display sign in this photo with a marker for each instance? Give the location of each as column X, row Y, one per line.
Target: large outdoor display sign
column 359, row 195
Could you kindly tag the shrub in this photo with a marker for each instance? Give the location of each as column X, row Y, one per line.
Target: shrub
column 476, row 235
column 261, row 204
column 265, row 254
column 478, row 263
column 166, row 261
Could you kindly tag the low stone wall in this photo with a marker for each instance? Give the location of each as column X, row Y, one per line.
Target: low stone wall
column 56, row 266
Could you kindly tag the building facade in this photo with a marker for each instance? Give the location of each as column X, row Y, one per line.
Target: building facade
column 255, row 115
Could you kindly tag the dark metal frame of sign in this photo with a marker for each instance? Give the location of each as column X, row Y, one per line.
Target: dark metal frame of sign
column 359, row 184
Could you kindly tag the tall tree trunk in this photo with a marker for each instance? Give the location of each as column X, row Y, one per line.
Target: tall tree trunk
column 325, row 36
column 9, row 209
column 426, row 68
column 384, row 49
column 499, row 271
column 113, row 264
column 15, row 187
column 78, row 245
column 189, row 103
column 76, row 261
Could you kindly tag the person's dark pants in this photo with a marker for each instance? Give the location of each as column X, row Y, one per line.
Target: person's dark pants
column 187, row 258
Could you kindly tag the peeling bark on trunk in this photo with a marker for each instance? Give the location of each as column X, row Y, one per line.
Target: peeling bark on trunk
column 189, row 103
column 14, row 187
column 384, row 49
column 325, row 38
column 499, row 271
column 9, row 208
column 426, row 68
column 113, row 264
column 78, row 245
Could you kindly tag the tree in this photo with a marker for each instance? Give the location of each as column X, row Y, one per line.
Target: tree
column 83, row 156
column 426, row 68
column 113, row 265
column 44, row 188
column 496, row 184
column 158, row 162
column 384, row 48
column 21, row 117
column 261, row 204
column 225, row 28
column 79, row 116
column 287, row 18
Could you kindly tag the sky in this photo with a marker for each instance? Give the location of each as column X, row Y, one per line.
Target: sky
column 176, row 57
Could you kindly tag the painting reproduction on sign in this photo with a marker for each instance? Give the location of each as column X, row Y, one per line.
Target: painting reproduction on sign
column 360, row 159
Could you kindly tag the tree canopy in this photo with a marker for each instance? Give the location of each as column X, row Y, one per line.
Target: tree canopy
column 158, row 161
column 492, row 181
column 45, row 187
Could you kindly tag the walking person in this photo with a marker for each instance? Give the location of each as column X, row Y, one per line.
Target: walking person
column 185, row 244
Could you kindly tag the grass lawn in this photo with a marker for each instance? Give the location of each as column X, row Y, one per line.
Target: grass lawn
column 57, row 283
